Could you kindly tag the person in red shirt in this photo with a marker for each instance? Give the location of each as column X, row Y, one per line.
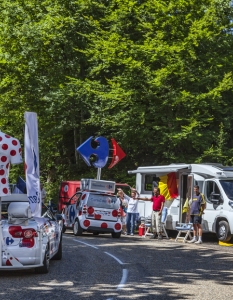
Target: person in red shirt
column 158, row 203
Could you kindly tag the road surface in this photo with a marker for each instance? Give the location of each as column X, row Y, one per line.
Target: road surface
column 100, row 267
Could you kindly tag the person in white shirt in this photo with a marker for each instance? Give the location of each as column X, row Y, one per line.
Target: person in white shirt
column 123, row 210
column 132, row 211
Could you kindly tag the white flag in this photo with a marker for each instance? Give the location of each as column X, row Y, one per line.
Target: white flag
column 32, row 166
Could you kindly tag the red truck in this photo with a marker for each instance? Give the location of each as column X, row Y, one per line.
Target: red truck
column 69, row 188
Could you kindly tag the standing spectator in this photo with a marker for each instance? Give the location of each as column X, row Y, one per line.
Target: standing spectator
column 132, row 211
column 197, row 207
column 43, row 193
column 155, row 183
column 123, row 209
column 158, row 203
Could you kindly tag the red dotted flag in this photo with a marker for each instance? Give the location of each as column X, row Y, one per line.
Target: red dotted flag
column 10, row 153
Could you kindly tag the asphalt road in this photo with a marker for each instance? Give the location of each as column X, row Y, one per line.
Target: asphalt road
column 99, row 267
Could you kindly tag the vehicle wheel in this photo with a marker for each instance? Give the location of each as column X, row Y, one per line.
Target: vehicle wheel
column 95, row 233
column 223, row 231
column 45, row 268
column 58, row 255
column 116, row 235
column 63, row 228
column 77, row 230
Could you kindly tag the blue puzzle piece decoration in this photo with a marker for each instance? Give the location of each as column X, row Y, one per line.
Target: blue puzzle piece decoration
column 100, row 152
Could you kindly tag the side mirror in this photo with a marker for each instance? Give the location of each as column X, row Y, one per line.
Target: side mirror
column 215, row 198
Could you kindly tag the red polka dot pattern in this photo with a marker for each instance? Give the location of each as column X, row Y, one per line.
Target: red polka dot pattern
column 4, row 147
column 13, row 153
column 3, row 158
column 5, row 190
column 10, row 153
column 14, row 142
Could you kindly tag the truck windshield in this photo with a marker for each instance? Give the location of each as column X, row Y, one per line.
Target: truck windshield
column 227, row 185
column 103, row 201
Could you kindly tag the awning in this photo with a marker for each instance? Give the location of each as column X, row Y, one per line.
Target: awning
column 160, row 169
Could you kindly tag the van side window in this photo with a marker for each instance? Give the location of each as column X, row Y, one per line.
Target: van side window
column 148, row 183
column 211, row 187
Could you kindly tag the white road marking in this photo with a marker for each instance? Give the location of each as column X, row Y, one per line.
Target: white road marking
column 85, row 244
column 123, row 279
column 120, row 262
column 57, row 283
column 124, row 271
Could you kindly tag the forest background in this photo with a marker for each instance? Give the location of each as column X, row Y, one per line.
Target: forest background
column 156, row 75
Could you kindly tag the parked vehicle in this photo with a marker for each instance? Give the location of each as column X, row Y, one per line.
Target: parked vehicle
column 215, row 182
column 28, row 242
column 94, row 209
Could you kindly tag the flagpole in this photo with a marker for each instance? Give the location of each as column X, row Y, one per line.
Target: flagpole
column 98, row 173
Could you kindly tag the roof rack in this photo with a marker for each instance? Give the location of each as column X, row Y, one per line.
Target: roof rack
column 98, row 185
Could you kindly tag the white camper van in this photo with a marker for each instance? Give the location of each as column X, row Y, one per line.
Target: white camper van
column 215, row 182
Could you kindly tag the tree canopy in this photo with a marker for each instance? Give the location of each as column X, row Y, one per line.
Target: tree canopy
column 155, row 75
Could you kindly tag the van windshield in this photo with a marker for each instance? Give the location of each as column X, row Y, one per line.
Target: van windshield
column 227, row 185
column 103, row 201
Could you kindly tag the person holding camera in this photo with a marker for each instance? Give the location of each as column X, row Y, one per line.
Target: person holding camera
column 197, row 206
column 132, row 210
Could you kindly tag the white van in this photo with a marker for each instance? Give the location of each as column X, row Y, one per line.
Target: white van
column 94, row 209
column 215, row 182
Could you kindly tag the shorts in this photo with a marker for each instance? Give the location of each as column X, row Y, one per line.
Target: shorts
column 123, row 220
column 195, row 219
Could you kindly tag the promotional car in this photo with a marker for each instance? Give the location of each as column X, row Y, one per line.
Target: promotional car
column 27, row 242
column 94, row 209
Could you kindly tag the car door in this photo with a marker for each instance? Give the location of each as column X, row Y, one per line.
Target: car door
column 51, row 230
column 73, row 209
column 212, row 210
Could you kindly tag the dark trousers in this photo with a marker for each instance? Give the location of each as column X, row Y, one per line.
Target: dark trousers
column 130, row 222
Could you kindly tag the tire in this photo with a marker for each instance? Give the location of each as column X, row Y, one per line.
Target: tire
column 77, row 230
column 58, row 255
column 63, row 228
column 45, row 268
column 116, row 235
column 223, row 231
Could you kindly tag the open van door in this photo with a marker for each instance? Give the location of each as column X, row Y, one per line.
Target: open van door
column 186, row 192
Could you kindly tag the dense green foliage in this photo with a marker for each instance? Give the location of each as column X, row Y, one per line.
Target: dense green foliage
column 154, row 74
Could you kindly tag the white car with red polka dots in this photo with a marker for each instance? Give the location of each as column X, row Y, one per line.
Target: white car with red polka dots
column 27, row 242
column 94, row 209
